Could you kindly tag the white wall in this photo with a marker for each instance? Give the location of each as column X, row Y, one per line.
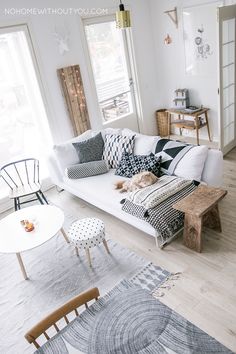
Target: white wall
column 49, row 59
column 171, row 63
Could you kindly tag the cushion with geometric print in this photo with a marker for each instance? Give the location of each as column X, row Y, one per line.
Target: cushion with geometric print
column 171, row 152
column 115, row 145
column 131, row 164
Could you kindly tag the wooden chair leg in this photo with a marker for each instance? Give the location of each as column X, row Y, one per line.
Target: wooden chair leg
column 89, row 257
column 106, row 246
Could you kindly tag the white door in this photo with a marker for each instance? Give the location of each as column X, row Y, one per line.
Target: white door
column 112, row 68
column 227, row 57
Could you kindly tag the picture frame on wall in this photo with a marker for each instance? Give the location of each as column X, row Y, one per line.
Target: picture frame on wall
column 200, row 39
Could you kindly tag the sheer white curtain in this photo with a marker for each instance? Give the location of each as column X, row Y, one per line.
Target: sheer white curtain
column 24, row 130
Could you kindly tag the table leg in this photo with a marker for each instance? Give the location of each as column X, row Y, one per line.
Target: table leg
column 22, row 267
column 208, row 128
column 180, row 130
column 65, row 235
column 212, row 219
column 197, row 128
column 169, row 121
column 77, row 251
column 193, row 232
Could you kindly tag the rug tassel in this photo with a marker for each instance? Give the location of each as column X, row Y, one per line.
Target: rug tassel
column 167, row 285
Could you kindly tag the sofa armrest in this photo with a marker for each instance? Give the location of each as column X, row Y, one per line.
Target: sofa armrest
column 54, row 169
column 213, row 169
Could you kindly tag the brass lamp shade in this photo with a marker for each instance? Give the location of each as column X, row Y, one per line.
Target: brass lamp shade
column 122, row 17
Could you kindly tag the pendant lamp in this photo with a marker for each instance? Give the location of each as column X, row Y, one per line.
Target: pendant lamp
column 122, row 17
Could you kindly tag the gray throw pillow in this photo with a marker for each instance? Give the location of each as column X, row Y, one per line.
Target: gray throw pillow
column 87, row 169
column 91, row 149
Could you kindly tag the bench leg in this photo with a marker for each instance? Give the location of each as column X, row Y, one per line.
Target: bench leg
column 212, row 219
column 193, row 232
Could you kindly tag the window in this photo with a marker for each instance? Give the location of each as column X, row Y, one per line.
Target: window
column 24, row 130
column 108, row 50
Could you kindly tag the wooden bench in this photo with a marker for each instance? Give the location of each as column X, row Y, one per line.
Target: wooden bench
column 201, row 209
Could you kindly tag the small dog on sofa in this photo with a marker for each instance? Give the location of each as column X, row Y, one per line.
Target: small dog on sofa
column 138, row 181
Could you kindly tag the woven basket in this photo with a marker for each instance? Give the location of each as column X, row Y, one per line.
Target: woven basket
column 162, row 122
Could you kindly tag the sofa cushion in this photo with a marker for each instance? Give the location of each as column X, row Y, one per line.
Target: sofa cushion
column 171, row 152
column 65, row 152
column 143, row 144
column 90, row 149
column 87, row 169
column 192, row 163
column 115, row 146
column 131, row 164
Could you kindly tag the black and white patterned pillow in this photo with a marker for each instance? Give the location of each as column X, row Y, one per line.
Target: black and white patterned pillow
column 87, row 169
column 131, row 164
column 115, row 146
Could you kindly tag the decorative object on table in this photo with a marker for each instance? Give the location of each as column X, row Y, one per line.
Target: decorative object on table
column 167, row 39
column 162, row 122
column 194, row 123
column 73, row 92
column 28, row 226
column 22, row 177
column 87, row 233
column 181, row 99
column 201, row 209
column 122, row 17
column 173, row 16
column 200, row 39
column 111, row 325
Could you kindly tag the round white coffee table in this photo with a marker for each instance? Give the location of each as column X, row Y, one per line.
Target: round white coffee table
column 48, row 221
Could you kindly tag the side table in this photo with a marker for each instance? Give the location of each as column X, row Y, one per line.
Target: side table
column 194, row 124
column 201, row 209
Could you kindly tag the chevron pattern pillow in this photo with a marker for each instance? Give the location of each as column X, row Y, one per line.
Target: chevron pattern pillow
column 131, row 164
column 115, row 146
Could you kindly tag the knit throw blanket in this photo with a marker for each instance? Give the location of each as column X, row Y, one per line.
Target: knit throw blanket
column 151, row 196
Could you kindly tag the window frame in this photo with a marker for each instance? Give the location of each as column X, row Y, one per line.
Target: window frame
column 132, row 68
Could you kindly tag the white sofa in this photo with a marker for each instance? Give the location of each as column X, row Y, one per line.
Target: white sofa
column 99, row 190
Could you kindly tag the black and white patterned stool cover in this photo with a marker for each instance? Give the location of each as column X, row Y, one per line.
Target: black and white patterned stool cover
column 87, row 233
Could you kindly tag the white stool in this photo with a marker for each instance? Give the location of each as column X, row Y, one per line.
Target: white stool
column 87, row 233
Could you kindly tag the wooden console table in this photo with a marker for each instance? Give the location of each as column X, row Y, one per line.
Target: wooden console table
column 194, row 124
column 201, row 209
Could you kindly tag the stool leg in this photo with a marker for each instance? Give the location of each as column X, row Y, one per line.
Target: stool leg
column 77, row 251
column 88, row 256
column 65, row 235
column 106, row 246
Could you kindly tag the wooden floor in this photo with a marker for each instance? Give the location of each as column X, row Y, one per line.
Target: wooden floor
column 205, row 294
